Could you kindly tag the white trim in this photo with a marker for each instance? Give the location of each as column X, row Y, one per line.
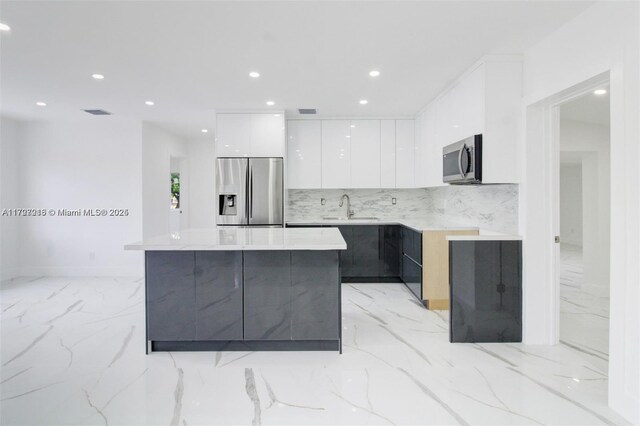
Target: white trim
column 82, row 271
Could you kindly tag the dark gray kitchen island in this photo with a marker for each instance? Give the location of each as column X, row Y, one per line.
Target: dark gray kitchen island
column 245, row 289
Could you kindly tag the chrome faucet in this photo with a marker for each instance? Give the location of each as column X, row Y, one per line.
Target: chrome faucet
column 349, row 211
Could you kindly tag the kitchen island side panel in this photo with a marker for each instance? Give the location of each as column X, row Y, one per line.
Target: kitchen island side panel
column 267, row 295
column 218, row 281
column 171, row 295
column 315, row 295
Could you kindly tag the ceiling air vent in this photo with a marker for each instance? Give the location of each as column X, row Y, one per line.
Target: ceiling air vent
column 97, row 111
column 307, row 111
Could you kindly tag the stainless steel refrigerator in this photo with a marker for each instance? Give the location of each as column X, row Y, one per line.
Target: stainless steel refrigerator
column 249, row 191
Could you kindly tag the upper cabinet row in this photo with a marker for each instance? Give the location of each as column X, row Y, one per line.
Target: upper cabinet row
column 350, row 153
column 250, row 135
column 487, row 100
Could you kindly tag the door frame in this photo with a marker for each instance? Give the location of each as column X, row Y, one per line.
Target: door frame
column 539, row 223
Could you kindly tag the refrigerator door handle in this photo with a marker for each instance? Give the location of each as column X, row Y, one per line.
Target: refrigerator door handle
column 250, row 192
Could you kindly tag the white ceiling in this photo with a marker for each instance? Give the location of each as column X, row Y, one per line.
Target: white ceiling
column 589, row 108
column 192, row 58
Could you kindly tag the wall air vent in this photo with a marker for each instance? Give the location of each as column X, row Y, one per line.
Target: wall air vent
column 97, row 111
column 307, row 111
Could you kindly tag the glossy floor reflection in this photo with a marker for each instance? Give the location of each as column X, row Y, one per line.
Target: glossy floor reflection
column 584, row 311
column 73, row 353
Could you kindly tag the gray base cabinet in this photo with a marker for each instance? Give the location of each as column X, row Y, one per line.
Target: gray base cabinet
column 235, row 300
column 218, row 281
column 485, row 291
column 315, row 297
column 171, row 295
column 267, row 295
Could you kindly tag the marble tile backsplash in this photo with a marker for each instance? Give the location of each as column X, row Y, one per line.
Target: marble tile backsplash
column 491, row 207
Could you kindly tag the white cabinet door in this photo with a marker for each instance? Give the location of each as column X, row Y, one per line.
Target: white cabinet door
column 233, row 135
column 405, row 154
column 473, row 99
column 250, row 135
column 433, row 150
column 304, row 151
column 336, row 154
column 267, row 135
column 365, row 153
column 387, row 153
column 421, row 148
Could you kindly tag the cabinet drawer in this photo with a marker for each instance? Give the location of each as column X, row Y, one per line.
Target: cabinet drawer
column 412, row 276
column 412, row 244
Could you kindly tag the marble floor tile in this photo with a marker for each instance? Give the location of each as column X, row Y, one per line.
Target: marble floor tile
column 73, row 353
column 584, row 310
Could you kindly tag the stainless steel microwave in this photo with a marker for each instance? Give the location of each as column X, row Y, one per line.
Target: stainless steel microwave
column 462, row 161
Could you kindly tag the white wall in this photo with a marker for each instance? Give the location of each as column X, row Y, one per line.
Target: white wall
column 603, row 39
column 10, row 135
column 571, row 203
column 158, row 146
column 591, row 144
column 202, row 189
column 83, row 163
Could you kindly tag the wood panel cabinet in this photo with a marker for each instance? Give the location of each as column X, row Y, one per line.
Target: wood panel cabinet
column 435, row 267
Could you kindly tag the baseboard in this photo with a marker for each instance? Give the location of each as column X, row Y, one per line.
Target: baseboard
column 370, row 280
column 82, row 271
column 9, row 273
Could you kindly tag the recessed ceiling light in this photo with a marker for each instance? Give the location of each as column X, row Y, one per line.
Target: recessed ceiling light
column 41, row 103
column 98, row 76
column 254, row 74
column 353, row 125
column 276, row 115
column 363, row 101
column 271, row 103
column 4, row 27
column 150, row 103
column 374, row 73
column 600, row 92
column 204, row 131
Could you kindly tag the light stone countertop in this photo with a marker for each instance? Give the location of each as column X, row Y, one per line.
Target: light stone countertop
column 419, row 226
column 236, row 238
column 415, row 224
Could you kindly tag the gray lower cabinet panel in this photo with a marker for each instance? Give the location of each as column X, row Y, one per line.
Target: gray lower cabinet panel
column 315, row 298
column 170, row 288
column 218, row 281
column 412, row 276
column 267, row 295
column 485, row 291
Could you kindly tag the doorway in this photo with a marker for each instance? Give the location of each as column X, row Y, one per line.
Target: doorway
column 177, row 194
column 584, row 214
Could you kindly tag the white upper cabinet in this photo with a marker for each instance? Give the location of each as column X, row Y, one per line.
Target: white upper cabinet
column 250, row 135
column 351, row 154
column 336, row 154
column 365, row 153
column 387, row 153
column 304, row 152
column 233, row 135
column 405, row 154
column 486, row 100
